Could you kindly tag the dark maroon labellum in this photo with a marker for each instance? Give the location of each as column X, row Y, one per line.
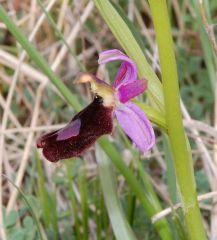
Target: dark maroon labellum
column 82, row 132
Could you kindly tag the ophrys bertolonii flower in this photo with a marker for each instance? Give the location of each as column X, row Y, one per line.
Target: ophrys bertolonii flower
column 97, row 118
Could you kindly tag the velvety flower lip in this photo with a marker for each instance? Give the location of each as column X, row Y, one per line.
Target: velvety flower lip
column 79, row 134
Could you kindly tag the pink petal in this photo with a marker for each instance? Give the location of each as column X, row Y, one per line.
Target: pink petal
column 136, row 125
column 131, row 90
column 127, row 72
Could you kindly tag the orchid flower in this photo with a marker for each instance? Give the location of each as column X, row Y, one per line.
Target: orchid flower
column 97, row 118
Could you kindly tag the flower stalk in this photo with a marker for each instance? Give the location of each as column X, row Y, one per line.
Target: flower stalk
column 179, row 143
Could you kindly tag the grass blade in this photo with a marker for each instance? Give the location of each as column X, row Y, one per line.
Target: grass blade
column 119, row 223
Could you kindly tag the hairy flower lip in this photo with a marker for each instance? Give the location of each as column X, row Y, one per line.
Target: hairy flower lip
column 85, row 128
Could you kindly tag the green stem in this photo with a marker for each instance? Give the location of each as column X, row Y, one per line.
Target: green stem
column 179, row 143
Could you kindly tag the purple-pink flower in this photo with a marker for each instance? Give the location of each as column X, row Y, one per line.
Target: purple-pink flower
column 97, row 118
column 126, row 85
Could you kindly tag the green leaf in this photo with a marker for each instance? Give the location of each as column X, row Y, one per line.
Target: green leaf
column 19, row 235
column 11, row 218
column 28, row 223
